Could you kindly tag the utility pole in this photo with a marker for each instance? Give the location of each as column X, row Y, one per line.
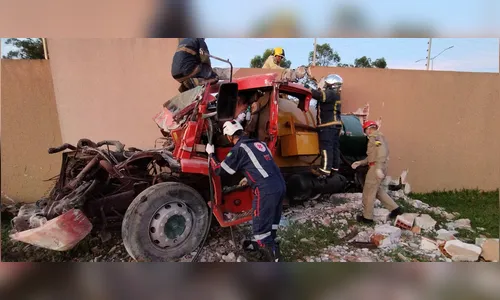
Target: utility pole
column 429, row 53
column 314, row 53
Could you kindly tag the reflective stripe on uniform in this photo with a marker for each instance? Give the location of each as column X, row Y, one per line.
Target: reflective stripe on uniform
column 255, row 162
column 186, row 49
column 275, row 227
column 227, row 168
column 324, row 96
column 325, row 159
column 259, row 237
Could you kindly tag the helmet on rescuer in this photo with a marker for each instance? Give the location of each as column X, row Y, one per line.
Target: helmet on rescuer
column 334, row 80
column 279, row 52
column 230, row 127
column 368, row 124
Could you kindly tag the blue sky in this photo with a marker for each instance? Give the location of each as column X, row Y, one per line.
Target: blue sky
column 469, row 55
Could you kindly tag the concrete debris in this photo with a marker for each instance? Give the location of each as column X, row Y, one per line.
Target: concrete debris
column 231, row 257
column 428, row 244
column 445, row 235
column 354, row 242
column 407, row 189
column 460, row 251
column 462, row 224
column 419, row 204
column 380, row 215
column 416, row 230
column 425, row 222
column 490, row 250
column 386, row 235
column 405, row 221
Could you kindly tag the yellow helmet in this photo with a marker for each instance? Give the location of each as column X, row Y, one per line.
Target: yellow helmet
column 279, row 52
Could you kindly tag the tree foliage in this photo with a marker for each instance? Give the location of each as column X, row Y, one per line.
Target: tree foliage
column 259, row 60
column 29, row 48
column 325, row 56
column 366, row 62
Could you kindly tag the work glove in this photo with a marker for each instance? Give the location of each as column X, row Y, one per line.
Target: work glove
column 355, row 164
column 243, row 182
column 380, row 174
column 210, row 149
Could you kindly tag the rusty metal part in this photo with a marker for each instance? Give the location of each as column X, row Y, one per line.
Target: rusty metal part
column 119, row 146
column 74, row 183
column 110, row 168
column 73, row 200
column 86, row 143
column 61, row 148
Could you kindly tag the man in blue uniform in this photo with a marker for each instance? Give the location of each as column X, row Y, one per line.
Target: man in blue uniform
column 329, row 124
column 191, row 64
column 256, row 161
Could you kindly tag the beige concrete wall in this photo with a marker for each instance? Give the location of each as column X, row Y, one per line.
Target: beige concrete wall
column 440, row 125
column 112, row 88
column 443, row 126
column 30, row 126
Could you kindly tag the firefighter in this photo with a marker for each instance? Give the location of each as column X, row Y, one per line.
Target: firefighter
column 329, row 124
column 377, row 157
column 191, row 65
column 255, row 160
column 274, row 60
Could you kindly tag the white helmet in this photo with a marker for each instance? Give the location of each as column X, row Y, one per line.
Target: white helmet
column 230, row 127
column 334, row 80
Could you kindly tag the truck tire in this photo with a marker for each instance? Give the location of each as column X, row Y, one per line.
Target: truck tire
column 165, row 222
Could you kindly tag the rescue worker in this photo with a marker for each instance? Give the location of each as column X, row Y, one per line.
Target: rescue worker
column 274, row 60
column 329, row 124
column 255, row 160
column 377, row 157
column 191, row 64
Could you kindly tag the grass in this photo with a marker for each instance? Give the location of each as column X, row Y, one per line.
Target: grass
column 318, row 236
column 481, row 208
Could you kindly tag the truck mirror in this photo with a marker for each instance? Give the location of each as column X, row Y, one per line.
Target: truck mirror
column 226, row 101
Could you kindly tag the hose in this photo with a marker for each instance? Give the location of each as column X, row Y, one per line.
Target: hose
column 211, row 190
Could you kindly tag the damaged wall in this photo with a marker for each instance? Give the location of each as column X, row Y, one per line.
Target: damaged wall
column 440, row 125
column 30, row 126
column 112, row 88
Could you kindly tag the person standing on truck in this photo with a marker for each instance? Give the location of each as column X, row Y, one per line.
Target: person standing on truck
column 256, row 161
column 274, row 60
column 329, row 124
column 191, row 64
column 377, row 157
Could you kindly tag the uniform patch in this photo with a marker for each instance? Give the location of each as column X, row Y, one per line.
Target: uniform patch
column 229, row 154
column 260, row 147
column 267, row 157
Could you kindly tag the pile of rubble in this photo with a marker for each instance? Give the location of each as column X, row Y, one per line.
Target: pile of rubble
column 411, row 237
column 424, row 233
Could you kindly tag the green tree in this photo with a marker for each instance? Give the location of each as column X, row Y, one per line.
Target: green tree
column 30, row 48
column 259, row 60
column 325, row 56
column 380, row 63
column 363, row 62
column 366, row 62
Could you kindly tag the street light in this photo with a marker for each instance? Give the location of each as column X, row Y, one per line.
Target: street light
column 432, row 58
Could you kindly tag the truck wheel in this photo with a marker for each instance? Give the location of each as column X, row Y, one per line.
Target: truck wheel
column 165, row 222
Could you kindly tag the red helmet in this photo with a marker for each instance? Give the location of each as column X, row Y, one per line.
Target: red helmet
column 369, row 124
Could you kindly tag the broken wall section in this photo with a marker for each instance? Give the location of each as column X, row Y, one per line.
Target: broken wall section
column 30, row 125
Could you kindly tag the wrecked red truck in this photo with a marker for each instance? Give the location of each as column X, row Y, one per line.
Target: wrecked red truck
column 163, row 198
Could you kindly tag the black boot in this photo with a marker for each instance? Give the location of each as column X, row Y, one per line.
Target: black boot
column 270, row 253
column 396, row 212
column 362, row 219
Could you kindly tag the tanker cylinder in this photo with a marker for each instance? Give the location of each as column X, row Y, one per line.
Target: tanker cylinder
column 303, row 186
